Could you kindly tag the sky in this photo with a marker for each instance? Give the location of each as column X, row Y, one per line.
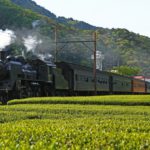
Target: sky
column 130, row 14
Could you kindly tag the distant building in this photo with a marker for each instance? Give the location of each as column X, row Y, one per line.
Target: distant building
column 142, row 78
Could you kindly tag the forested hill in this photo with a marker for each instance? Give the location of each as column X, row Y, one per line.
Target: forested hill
column 119, row 46
column 29, row 4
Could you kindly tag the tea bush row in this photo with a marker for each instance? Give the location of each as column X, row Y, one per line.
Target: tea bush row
column 129, row 100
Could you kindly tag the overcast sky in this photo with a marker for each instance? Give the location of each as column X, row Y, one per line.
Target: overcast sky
column 130, row 14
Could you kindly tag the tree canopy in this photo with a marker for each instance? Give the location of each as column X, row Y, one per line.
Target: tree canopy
column 126, row 70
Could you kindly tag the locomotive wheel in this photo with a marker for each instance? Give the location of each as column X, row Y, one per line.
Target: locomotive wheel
column 29, row 91
column 26, row 91
column 37, row 92
column 3, row 99
column 52, row 93
column 46, row 91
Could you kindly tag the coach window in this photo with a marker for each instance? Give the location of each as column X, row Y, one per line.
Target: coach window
column 79, row 77
column 50, row 70
column 90, row 79
column 115, row 82
column 83, row 78
column 87, row 79
column 76, row 77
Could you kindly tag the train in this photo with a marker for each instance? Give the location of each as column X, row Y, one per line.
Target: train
column 36, row 77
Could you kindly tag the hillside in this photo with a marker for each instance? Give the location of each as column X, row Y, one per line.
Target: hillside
column 119, row 46
column 11, row 15
column 29, row 4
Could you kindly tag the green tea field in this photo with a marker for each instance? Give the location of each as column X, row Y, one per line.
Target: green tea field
column 76, row 123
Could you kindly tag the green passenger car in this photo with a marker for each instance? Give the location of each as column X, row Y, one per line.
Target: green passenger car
column 121, row 84
column 81, row 80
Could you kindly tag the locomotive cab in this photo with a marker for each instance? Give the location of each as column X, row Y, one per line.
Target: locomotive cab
column 44, row 70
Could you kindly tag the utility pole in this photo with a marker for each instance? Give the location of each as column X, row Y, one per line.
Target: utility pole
column 94, row 65
column 83, row 42
column 56, row 43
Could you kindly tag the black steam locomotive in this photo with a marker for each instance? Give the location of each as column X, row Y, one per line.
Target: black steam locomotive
column 34, row 77
column 20, row 78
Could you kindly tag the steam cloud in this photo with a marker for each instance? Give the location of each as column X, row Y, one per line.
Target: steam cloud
column 6, row 38
column 34, row 41
column 31, row 42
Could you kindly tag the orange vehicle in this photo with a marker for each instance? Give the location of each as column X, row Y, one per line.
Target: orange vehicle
column 138, row 86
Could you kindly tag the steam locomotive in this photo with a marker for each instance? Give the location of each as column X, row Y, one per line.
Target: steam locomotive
column 35, row 77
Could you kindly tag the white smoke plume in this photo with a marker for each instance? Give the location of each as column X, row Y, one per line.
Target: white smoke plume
column 46, row 57
column 31, row 42
column 6, row 38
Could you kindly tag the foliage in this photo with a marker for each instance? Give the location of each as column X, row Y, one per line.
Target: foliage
column 16, row 49
column 69, row 126
column 28, row 4
column 122, row 47
column 92, row 133
column 12, row 15
column 130, row 100
column 126, row 70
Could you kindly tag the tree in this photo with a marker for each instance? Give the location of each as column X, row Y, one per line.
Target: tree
column 126, row 70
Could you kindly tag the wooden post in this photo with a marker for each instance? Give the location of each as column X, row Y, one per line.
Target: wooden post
column 94, row 65
column 56, row 43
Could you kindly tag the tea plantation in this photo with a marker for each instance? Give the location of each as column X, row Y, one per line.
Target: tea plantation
column 102, row 122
